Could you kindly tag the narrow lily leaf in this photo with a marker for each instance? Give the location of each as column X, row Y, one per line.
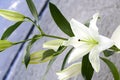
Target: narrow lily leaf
column 113, row 68
column 60, row 48
column 114, row 48
column 10, row 30
column 48, row 67
column 60, row 20
column 32, row 9
column 27, row 55
column 12, row 15
column 53, row 44
column 108, row 53
column 87, row 69
column 4, row 44
column 65, row 59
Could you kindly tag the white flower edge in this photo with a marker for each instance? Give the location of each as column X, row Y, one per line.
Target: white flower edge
column 53, row 44
column 116, row 37
column 70, row 71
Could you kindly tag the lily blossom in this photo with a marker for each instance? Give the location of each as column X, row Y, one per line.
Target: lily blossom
column 69, row 72
column 116, row 37
column 87, row 40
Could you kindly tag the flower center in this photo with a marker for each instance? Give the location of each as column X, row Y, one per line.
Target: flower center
column 89, row 41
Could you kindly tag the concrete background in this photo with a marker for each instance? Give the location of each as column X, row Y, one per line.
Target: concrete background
column 11, row 67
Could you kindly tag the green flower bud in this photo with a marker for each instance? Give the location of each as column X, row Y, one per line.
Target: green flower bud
column 12, row 15
column 4, row 44
column 41, row 56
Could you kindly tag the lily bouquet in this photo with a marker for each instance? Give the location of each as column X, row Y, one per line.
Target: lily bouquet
column 84, row 43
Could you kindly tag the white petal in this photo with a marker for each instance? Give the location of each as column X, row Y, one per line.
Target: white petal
column 74, row 41
column 79, row 52
column 94, row 59
column 53, row 44
column 69, row 72
column 116, row 36
column 93, row 27
column 105, row 43
column 79, row 29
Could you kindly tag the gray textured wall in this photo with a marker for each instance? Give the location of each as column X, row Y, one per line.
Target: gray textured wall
column 81, row 10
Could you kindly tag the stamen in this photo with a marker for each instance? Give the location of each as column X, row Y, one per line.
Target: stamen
column 78, row 39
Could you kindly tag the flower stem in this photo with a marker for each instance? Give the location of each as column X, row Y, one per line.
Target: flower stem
column 41, row 31
column 59, row 52
column 52, row 36
column 26, row 40
column 21, row 41
column 38, row 26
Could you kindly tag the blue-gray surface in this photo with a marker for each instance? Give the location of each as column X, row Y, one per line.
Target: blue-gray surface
column 81, row 10
column 8, row 57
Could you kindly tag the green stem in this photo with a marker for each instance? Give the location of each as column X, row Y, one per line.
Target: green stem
column 38, row 26
column 26, row 40
column 42, row 33
column 60, row 51
column 21, row 41
column 52, row 36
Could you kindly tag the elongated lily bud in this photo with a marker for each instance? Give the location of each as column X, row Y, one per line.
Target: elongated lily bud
column 116, row 37
column 4, row 44
column 69, row 72
column 53, row 44
column 12, row 15
column 41, row 56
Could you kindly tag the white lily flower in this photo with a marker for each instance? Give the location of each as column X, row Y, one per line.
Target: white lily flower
column 87, row 40
column 69, row 72
column 116, row 37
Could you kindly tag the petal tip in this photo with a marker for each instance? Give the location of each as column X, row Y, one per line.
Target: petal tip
column 96, row 14
column 97, row 70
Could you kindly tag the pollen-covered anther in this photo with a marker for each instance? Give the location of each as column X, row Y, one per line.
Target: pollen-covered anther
column 79, row 40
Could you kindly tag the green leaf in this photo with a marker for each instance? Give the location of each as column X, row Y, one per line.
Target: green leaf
column 113, row 68
column 32, row 9
column 12, row 15
column 114, row 48
column 60, row 20
column 65, row 59
column 27, row 55
column 4, row 44
column 10, row 30
column 108, row 53
column 48, row 67
column 87, row 69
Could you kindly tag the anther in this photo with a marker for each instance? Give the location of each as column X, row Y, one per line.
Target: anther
column 78, row 39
